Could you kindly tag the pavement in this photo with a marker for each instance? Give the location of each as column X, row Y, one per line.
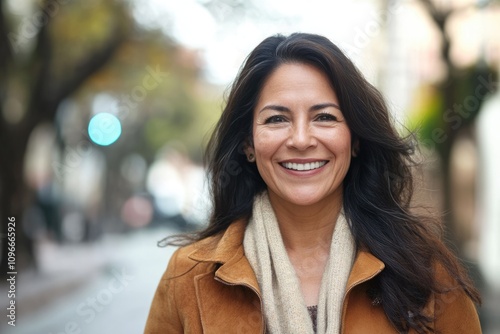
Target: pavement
column 101, row 287
column 489, row 312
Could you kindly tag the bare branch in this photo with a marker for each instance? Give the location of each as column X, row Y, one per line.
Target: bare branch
column 48, row 93
column 439, row 17
column 90, row 65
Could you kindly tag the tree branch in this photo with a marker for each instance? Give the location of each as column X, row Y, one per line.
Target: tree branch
column 46, row 97
column 439, row 17
column 90, row 65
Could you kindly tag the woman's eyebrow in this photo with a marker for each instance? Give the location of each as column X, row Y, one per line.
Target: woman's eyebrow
column 275, row 107
column 320, row 106
column 315, row 107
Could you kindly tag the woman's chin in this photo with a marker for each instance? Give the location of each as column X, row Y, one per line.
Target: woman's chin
column 304, row 197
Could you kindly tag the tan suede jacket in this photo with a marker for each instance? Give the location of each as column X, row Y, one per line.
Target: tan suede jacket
column 209, row 287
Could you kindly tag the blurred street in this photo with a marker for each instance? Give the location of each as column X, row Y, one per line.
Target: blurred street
column 106, row 287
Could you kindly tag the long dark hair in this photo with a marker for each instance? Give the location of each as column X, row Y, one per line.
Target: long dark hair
column 377, row 188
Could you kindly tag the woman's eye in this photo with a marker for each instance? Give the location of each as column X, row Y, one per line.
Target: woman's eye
column 326, row 117
column 275, row 119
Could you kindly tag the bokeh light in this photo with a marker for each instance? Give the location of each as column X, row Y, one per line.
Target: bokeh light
column 104, row 129
column 137, row 212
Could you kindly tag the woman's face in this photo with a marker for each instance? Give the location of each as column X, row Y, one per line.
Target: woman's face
column 301, row 141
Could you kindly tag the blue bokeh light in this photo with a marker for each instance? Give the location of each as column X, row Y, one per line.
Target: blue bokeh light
column 104, row 129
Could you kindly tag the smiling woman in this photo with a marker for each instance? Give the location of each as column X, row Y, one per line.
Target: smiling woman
column 315, row 230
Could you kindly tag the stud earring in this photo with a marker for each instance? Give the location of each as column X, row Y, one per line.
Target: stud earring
column 251, row 157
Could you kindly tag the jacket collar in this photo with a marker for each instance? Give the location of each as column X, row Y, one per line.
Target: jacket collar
column 222, row 247
column 227, row 250
column 365, row 267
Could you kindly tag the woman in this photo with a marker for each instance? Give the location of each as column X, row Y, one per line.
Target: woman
column 311, row 229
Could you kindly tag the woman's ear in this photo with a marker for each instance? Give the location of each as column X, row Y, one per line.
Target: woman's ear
column 249, row 150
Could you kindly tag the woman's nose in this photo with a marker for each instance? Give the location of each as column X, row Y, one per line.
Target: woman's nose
column 301, row 136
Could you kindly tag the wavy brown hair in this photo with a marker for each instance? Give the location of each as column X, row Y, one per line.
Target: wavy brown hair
column 378, row 187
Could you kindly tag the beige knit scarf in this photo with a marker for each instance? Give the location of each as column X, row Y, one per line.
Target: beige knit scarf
column 285, row 311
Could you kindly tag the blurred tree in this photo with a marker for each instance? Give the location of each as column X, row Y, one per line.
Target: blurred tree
column 56, row 61
column 450, row 111
column 33, row 83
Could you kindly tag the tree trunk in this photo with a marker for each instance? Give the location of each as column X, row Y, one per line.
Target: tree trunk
column 13, row 198
column 45, row 95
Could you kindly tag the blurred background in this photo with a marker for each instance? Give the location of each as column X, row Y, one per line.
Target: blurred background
column 106, row 106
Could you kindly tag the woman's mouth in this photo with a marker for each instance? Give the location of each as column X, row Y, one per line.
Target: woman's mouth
column 303, row 166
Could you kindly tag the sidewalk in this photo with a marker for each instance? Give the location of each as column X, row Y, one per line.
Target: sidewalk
column 490, row 312
column 73, row 279
column 62, row 269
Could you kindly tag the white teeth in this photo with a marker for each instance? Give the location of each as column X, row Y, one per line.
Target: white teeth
column 306, row 166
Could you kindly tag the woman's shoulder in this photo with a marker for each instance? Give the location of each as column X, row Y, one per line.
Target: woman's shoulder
column 207, row 250
column 444, row 278
column 182, row 262
column 452, row 308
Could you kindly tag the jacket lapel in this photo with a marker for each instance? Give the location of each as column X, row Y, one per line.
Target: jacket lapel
column 231, row 301
column 227, row 251
column 365, row 267
column 359, row 316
